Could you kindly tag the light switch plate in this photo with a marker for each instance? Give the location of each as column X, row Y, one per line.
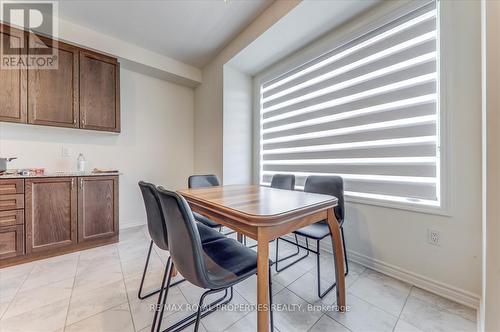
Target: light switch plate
column 65, row 152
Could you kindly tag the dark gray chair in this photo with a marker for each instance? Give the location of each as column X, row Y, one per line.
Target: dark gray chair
column 216, row 266
column 283, row 181
column 202, row 181
column 157, row 230
column 329, row 185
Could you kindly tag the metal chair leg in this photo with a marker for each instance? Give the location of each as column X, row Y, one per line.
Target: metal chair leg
column 291, row 255
column 322, row 294
column 163, row 289
column 271, row 301
column 202, row 311
column 205, row 310
column 139, row 293
column 318, row 265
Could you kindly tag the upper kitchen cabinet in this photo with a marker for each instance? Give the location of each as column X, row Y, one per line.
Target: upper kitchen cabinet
column 81, row 91
column 13, row 107
column 99, row 92
column 53, row 93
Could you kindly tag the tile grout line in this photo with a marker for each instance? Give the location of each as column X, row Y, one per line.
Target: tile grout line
column 403, row 308
column 375, row 305
column 17, row 291
column 316, row 322
column 71, row 295
column 230, row 326
column 126, row 290
column 97, row 313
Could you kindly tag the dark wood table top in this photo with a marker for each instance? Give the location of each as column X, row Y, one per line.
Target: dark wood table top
column 258, row 205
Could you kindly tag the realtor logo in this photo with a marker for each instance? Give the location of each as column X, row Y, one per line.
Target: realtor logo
column 38, row 19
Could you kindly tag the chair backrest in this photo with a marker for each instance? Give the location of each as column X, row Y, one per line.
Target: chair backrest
column 328, row 185
column 184, row 240
column 283, row 181
column 156, row 221
column 201, row 181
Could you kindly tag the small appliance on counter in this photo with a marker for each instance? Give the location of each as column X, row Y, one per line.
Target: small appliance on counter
column 3, row 164
column 24, row 172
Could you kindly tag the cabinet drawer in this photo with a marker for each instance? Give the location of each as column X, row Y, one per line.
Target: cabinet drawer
column 11, row 186
column 11, row 241
column 11, row 218
column 11, row 202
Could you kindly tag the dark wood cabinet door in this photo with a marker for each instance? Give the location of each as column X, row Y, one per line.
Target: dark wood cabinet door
column 99, row 92
column 51, row 212
column 53, row 93
column 11, row 241
column 13, row 81
column 97, row 207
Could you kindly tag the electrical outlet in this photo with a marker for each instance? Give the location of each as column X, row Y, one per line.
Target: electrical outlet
column 65, row 152
column 433, row 237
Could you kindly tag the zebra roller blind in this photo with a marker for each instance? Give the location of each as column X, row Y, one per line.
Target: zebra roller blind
column 367, row 111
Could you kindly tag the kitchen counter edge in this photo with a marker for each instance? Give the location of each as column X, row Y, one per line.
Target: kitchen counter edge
column 57, row 175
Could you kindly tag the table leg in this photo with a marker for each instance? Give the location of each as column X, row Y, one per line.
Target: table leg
column 174, row 271
column 339, row 259
column 262, row 282
column 239, row 237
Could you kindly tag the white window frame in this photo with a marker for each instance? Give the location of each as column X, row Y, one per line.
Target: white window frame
column 343, row 35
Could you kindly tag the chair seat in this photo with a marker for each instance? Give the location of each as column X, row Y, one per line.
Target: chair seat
column 228, row 262
column 315, row 231
column 204, row 220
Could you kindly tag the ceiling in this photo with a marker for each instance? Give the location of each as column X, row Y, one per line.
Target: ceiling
column 307, row 22
column 190, row 31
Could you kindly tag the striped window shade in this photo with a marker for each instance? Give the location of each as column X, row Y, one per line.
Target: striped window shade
column 367, row 111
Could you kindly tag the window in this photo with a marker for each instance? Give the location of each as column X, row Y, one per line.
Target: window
column 367, row 111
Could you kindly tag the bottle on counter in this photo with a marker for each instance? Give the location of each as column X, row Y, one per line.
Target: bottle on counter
column 81, row 163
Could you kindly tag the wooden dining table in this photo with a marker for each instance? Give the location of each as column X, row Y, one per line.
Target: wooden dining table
column 264, row 214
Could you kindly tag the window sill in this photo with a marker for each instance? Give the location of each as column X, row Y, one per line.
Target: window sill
column 407, row 206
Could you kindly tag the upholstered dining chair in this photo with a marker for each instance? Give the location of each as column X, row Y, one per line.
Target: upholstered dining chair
column 215, row 266
column 285, row 182
column 203, row 181
column 329, row 185
column 158, row 232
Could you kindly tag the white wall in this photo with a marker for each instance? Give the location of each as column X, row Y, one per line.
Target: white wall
column 491, row 222
column 155, row 144
column 208, row 122
column 237, row 127
column 394, row 240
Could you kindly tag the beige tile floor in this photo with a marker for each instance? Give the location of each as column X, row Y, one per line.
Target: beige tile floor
column 96, row 290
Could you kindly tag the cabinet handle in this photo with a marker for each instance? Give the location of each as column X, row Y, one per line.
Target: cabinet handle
column 81, row 184
column 72, row 184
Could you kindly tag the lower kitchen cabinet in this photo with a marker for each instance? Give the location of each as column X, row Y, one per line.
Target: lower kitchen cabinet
column 48, row 216
column 51, row 213
column 11, row 241
column 98, row 207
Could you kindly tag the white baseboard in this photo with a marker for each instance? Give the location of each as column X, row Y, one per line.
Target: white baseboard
column 131, row 224
column 452, row 293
